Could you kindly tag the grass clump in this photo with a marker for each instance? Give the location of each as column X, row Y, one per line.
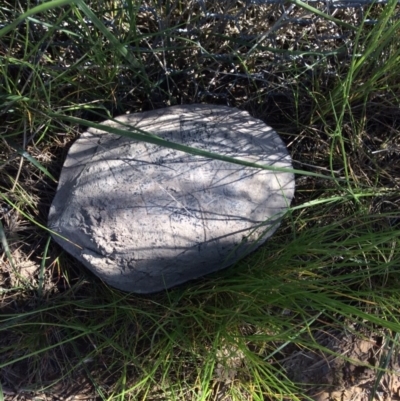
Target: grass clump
column 313, row 312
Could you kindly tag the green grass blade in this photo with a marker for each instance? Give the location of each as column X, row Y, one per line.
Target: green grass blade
column 140, row 135
column 49, row 5
column 321, row 14
column 42, row 268
column 115, row 43
column 32, row 220
column 5, row 246
column 31, row 159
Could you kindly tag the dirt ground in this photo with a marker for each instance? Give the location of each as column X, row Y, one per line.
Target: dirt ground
column 360, row 368
column 354, row 375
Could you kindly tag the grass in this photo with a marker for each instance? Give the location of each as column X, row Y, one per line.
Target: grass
column 329, row 273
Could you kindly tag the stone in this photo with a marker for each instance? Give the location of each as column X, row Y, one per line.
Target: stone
column 145, row 218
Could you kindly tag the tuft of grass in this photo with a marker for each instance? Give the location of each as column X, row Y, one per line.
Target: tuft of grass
column 327, row 82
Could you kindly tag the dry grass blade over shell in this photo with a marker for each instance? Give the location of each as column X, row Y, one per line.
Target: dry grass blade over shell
column 314, row 313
